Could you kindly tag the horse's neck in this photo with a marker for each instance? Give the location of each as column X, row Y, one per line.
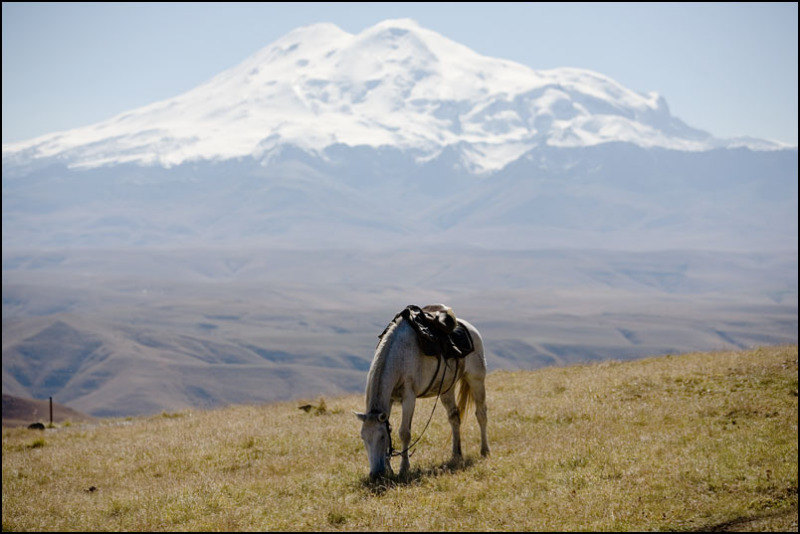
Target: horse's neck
column 387, row 367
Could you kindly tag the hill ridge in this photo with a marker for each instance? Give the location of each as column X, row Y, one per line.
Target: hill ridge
column 18, row 411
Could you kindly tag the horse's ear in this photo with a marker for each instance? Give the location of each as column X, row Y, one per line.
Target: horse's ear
column 361, row 416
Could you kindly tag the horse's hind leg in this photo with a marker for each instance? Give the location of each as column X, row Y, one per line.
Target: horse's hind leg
column 479, row 396
column 449, row 402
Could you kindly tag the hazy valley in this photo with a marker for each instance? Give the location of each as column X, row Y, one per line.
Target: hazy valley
column 123, row 332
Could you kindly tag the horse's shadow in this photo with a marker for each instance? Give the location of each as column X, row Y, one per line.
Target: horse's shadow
column 382, row 484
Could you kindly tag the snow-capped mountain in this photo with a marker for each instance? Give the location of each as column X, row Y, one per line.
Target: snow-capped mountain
column 398, row 135
column 244, row 241
column 395, row 84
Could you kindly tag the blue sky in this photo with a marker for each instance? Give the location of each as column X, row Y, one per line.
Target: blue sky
column 728, row 68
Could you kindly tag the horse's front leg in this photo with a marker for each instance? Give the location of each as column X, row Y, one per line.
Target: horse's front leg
column 409, row 401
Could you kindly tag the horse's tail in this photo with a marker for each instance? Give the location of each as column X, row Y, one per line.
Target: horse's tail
column 465, row 398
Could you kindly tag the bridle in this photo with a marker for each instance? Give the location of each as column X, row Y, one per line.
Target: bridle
column 391, row 452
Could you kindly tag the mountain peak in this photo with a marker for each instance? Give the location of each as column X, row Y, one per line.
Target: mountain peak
column 394, row 84
column 313, row 33
column 400, row 23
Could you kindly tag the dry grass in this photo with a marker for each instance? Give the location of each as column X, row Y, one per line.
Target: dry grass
column 699, row 441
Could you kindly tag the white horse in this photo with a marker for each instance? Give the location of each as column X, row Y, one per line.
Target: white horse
column 400, row 372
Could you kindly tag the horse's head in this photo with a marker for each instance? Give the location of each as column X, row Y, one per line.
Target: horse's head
column 375, row 432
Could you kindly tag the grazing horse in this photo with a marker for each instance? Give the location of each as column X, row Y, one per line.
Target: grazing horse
column 401, row 372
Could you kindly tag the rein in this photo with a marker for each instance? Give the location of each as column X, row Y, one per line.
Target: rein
column 391, row 452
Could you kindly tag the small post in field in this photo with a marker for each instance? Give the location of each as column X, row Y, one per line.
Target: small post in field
column 51, row 411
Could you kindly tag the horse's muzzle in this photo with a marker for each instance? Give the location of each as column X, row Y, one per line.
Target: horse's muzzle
column 381, row 468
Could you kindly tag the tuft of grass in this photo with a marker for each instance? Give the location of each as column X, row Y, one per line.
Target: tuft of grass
column 336, row 518
column 321, row 408
column 704, row 441
column 168, row 415
column 37, row 443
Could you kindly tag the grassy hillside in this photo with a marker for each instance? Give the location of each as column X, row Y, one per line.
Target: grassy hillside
column 691, row 442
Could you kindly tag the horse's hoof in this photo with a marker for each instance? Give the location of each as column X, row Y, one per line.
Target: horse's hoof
column 485, row 452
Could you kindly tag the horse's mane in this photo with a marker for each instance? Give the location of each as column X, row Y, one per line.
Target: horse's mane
column 378, row 366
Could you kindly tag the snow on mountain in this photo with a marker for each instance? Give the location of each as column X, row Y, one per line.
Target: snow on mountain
column 395, row 85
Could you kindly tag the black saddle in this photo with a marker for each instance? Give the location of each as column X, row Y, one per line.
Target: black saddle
column 439, row 333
